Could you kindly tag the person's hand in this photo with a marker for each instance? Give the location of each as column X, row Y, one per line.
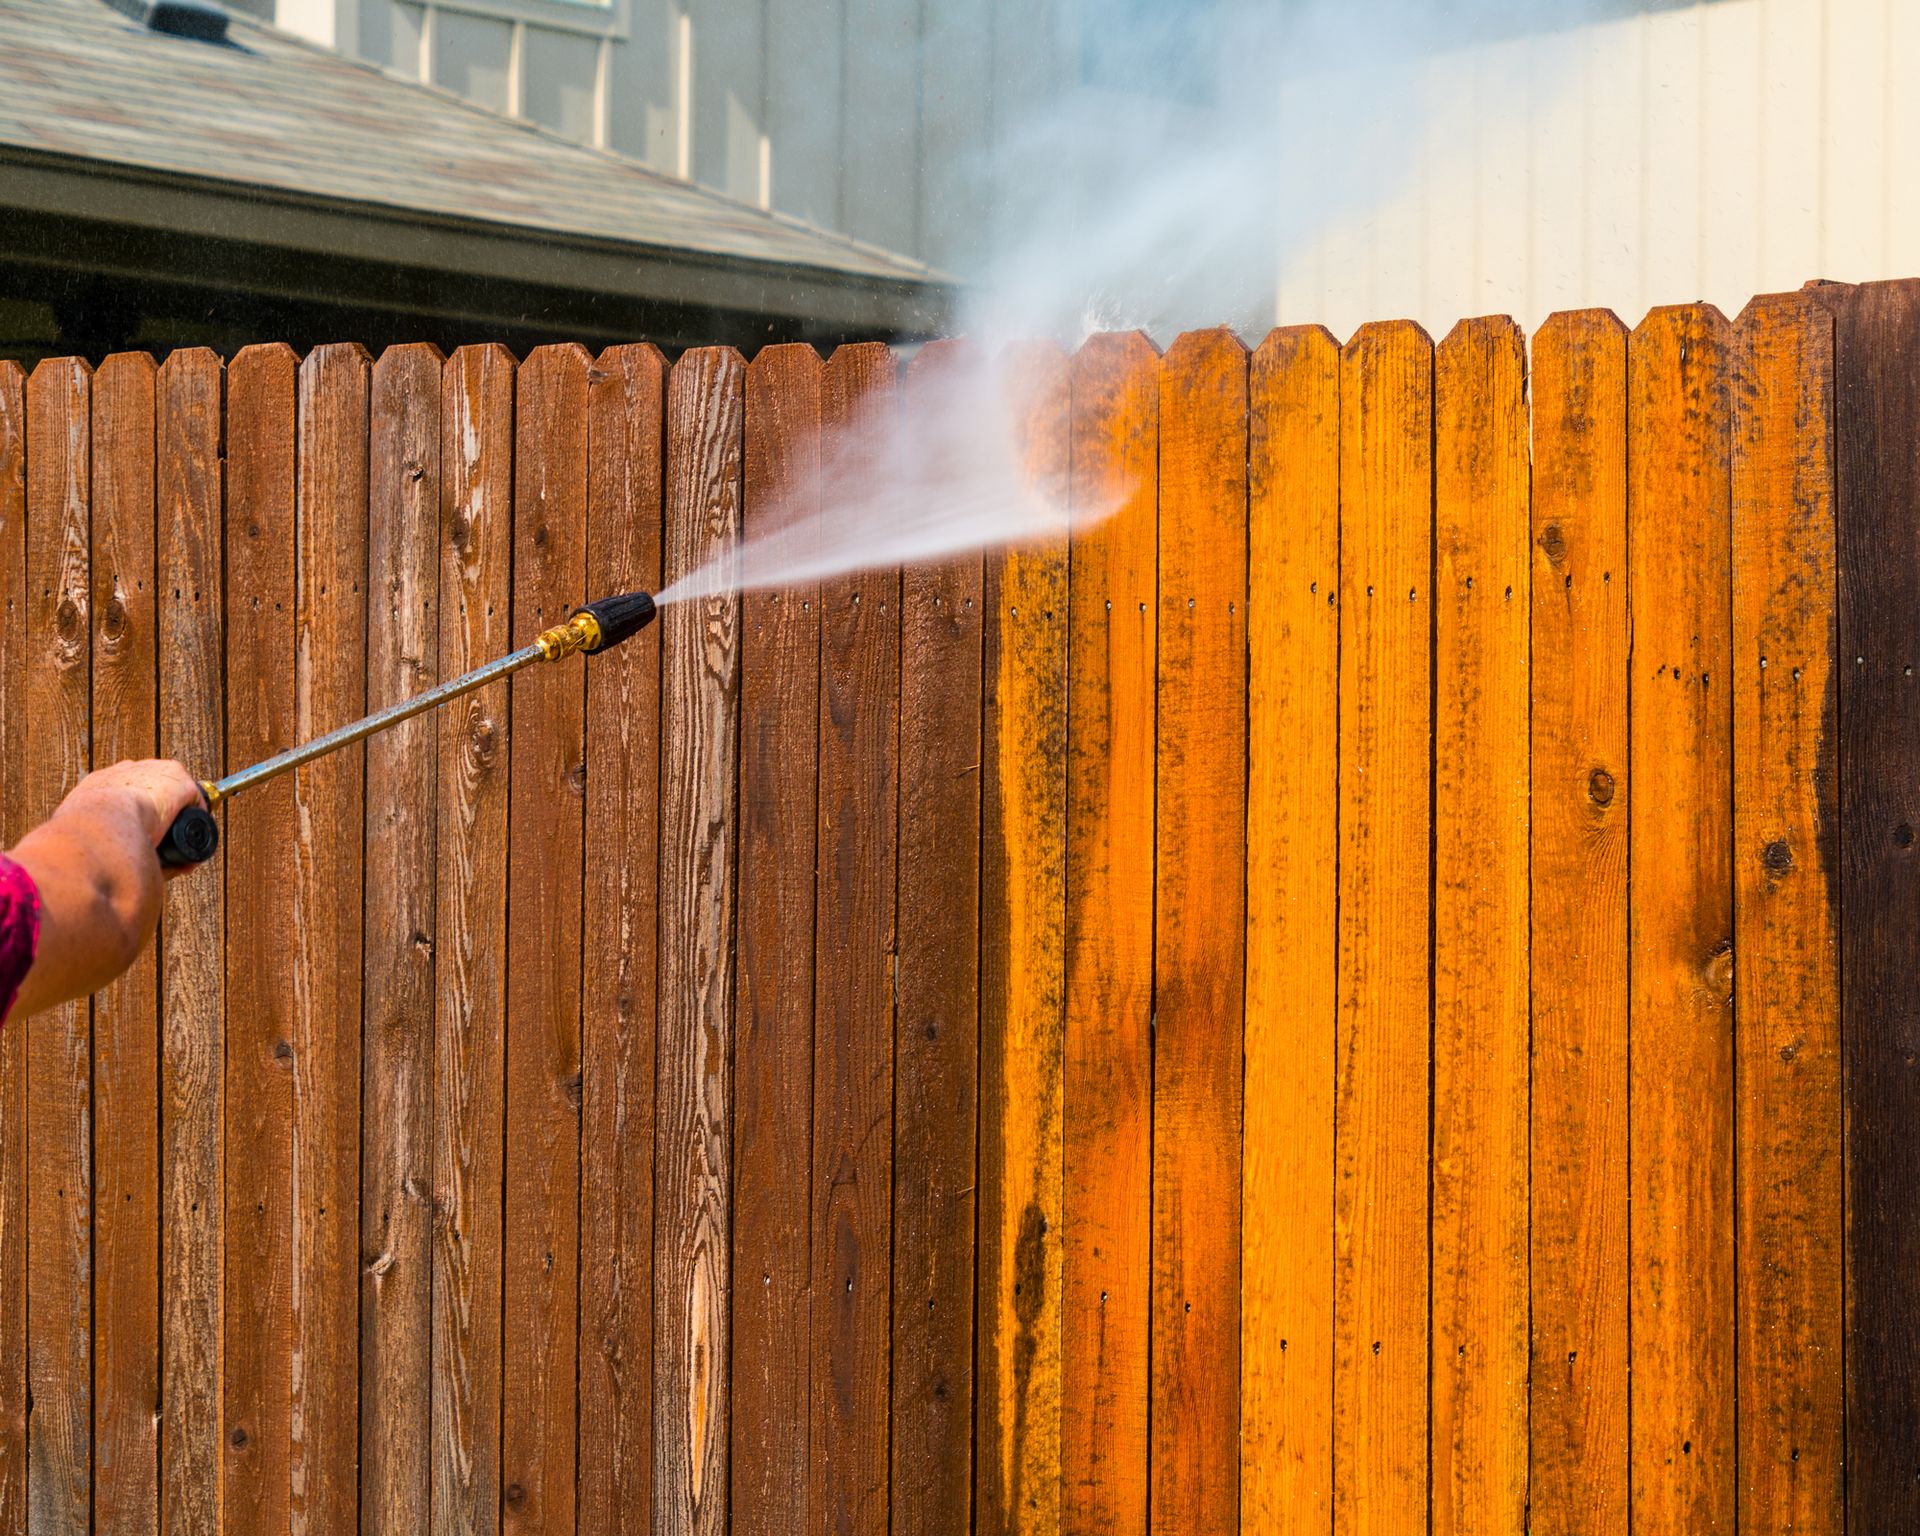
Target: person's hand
column 99, row 876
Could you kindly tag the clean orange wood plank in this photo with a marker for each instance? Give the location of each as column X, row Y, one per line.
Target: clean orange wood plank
column 1022, row 987
column 1681, row 923
column 126, row 1087
column 937, row 1033
column 1200, row 934
column 854, row 948
column 548, row 767
column 1293, row 829
column 396, row 1145
column 192, row 727
column 1480, row 971
column 330, row 661
column 261, row 868
column 56, row 719
column 13, row 1042
column 470, row 945
column 773, row 1058
column 1578, row 1404
column 1106, row 1270
column 1381, row 1087
column 626, row 406
column 1791, row 1230
column 699, row 740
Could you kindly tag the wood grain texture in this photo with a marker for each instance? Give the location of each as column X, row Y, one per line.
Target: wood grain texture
column 699, row 815
column 1578, row 1404
column 937, row 1024
column 626, row 407
column 1106, row 1271
column 1200, row 934
column 1381, row 1281
column 470, row 940
column 1480, row 947
column 262, row 870
column 854, row 950
column 1791, row 1235
column 14, row 604
column 57, row 720
column 398, row 972
column 547, row 760
column 192, row 729
column 1022, row 987
column 1877, row 339
column 1681, row 923
column 330, row 690
column 773, row 1057
column 1292, row 862
column 126, row 1026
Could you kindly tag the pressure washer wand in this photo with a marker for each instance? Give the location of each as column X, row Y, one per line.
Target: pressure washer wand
column 598, row 626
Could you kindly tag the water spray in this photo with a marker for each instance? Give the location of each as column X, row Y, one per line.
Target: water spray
column 597, row 626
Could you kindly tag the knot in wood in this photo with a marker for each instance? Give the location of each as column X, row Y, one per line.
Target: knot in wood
column 1718, row 972
column 1777, row 856
column 1554, row 542
column 113, row 621
column 1600, row 787
column 69, row 623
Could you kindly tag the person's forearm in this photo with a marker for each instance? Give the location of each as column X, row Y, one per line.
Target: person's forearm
column 99, row 900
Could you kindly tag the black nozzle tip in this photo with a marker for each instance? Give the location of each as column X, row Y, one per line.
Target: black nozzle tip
column 191, row 839
column 620, row 617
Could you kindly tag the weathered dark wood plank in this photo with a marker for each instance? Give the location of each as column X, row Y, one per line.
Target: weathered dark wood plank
column 126, row 1087
column 1876, row 402
column 548, row 767
column 192, row 725
column 773, row 1056
column 261, row 868
column 854, row 952
column 626, row 411
column 57, row 723
column 699, row 680
column 398, row 973
column 937, row 1027
column 470, row 944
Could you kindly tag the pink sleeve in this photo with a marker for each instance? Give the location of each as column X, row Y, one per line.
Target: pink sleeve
column 19, row 930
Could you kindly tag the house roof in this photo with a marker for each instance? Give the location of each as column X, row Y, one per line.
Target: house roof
column 263, row 137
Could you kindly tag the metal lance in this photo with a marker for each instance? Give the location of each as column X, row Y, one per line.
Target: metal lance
column 597, row 626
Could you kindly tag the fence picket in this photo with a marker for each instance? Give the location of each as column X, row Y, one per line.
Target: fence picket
column 126, row 1086
column 14, row 768
column 937, row 1030
column 1106, row 1269
column 470, row 940
column 192, row 728
column 1200, row 786
column 262, row 871
column 773, row 1059
column 1292, row 862
column 547, row 775
column 1681, row 922
column 1876, row 402
column 1381, row 1281
column 626, row 404
column 396, row 1174
column 1579, row 1478
column 1790, row 1235
column 1022, row 956
column 1480, row 968
column 699, row 831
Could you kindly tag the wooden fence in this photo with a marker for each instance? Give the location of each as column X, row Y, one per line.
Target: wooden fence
column 1230, row 1025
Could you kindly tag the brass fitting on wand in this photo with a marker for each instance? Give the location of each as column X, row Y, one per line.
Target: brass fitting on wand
column 579, row 633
